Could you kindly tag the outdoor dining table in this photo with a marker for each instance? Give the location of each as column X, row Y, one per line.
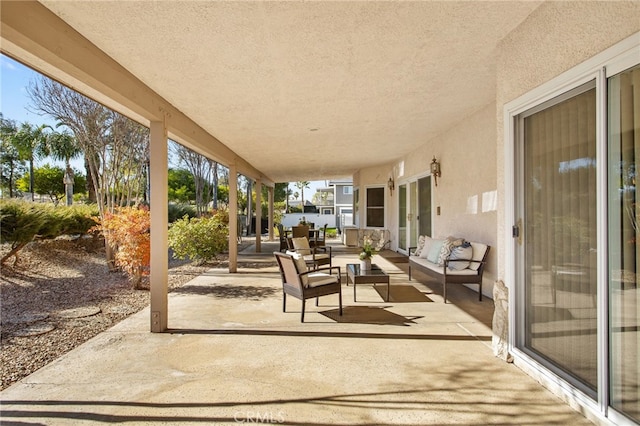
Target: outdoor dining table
column 313, row 233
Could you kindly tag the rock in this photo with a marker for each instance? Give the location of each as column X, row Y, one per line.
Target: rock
column 28, row 317
column 34, row 330
column 85, row 311
column 500, row 325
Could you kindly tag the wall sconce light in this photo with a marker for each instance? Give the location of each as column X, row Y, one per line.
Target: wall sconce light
column 435, row 169
column 391, row 184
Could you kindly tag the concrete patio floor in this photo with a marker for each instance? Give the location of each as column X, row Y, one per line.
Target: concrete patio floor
column 232, row 356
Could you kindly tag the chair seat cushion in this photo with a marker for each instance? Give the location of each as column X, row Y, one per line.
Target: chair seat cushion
column 320, row 278
column 311, row 258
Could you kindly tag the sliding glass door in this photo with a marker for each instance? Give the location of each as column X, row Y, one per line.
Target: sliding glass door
column 414, row 212
column 578, row 301
column 559, row 230
column 624, row 256
column 402, row 218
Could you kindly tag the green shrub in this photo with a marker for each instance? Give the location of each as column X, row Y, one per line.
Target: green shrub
column 20, row 222
column 52, row 221
column 200, row 239
column 178, row 211
column 77, row 219
column 332, row 232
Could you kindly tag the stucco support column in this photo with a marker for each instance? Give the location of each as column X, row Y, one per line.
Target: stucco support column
column 270, row 192
column 233, row 218
column 158, row 171
column 258, row 209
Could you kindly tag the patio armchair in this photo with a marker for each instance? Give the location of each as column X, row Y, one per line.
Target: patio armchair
column 313, row 256
column 303, row 284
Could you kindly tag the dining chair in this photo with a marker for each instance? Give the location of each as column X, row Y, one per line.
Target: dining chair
column 282, row 234
column 319, row 239
column 313, row 256
column 300, row 231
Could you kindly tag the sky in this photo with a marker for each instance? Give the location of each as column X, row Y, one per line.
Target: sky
column 15, row 104
column 14, row 80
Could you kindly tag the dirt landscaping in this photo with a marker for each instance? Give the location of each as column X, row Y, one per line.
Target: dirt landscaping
column 60, row 295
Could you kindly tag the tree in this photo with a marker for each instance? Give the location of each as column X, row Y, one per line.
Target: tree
column 116, row 148
column 124, row 155
column 214, row 183
column 11, row 166
column 84, row 117
column 31, row 143
column 279, row 192
column 48, row 180
column 182, row 188
column 62, row 146
column 302, row 185
column 201, row 169
column 289, row 193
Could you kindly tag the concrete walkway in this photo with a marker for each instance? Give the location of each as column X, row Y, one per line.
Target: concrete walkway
column 232, row 356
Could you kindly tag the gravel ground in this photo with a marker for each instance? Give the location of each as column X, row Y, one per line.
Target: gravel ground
column 59, row 295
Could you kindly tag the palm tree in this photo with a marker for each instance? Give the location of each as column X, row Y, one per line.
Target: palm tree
column 62, row 146
column 31, row 142
column 301, row 185
column 288, row 193
column 10, row 161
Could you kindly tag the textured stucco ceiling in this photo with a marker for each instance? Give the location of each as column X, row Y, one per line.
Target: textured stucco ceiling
column 309, row 90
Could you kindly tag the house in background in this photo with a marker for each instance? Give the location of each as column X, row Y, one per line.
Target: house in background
column 337, row 199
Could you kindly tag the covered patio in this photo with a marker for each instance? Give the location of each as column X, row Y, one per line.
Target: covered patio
column 231, row 356
column 372, row 92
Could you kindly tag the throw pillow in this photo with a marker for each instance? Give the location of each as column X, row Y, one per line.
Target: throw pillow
column 301, row 244
column 420, row 247
column 434, row 252
column 447, row 246
column 464, row 251
column 428, row 242
column 445, row 251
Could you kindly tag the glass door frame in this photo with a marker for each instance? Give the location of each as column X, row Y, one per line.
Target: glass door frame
column 411, row 222
column 612, row 61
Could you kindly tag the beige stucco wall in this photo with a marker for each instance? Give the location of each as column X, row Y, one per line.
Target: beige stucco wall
column 555, row 38
column 466, row 190
column 471, row 192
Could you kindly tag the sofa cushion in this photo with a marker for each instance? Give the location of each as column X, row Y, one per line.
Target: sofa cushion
column 434, row 252
column 424, row 263
column 464, row 251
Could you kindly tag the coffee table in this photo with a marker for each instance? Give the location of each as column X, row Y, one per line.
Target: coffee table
column 372, row 276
